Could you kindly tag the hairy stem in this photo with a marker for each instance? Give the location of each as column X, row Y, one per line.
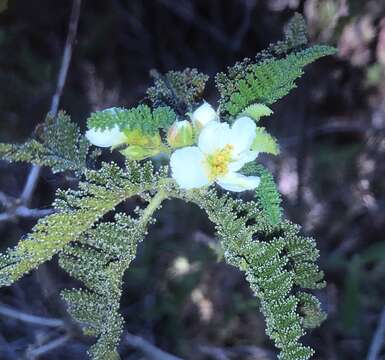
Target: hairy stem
column 153, row 205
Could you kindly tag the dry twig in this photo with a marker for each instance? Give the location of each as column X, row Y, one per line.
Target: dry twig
column 41, row 350
column 148, row 349
column 37, row 320
column 33, row 176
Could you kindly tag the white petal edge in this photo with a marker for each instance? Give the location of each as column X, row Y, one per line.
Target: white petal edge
column 107, row 137
column 236, row 182
column 187, row 168
column 243, row 133
column 242, row 159
column 214, row 136
column 203, row 115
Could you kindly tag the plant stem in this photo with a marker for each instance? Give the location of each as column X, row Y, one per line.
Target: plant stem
column 153, row 205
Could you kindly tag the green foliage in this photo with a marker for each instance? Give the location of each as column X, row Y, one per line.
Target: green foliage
column 303, row 252
column 264, row 82
column 256, row 111
column 268, row 196
column 60, row 146
column 76, row 212
column 182, row 90
column 279, row 263
column 99, row 259
column 273, row 259
column 295, row 36
column 271, row 75
column 140, row 118
column 310, row 310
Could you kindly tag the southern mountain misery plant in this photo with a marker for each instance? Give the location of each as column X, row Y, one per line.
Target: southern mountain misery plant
column 205, row 148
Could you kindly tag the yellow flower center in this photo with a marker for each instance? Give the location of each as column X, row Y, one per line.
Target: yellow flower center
column 218, row 162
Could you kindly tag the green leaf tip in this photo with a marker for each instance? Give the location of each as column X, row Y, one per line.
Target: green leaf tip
column 264, row 142
column 141, row 118
column 272, row 74
column 256, row 111
column 59, row 144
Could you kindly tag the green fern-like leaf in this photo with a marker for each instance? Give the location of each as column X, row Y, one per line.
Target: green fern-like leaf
column 140, row 118
column 310, row 310
column 101, row 318
column 181, row 90
column 60, row 146
column 99, row 259
column 264, row 82
column 76, row 212
column 266, row 254
column 303, row 252
column 268, row 196
column 278, row 262
column 272, row 74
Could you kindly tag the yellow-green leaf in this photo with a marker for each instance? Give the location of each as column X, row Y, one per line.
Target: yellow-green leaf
column 256, row 111
column 264, row 142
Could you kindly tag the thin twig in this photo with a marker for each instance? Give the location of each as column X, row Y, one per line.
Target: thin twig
column 25, row 212
column 37, row 320
column 5, row 200
column 67, row 55
column 30, row 185
column 215, row 352
column 41, row 350
column 151, row 351
column 236, row 352
column 378, row 339
column 34, row 173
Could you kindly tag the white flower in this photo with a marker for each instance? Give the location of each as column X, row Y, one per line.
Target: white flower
column 203, row 115
column 220, row 153
column 107, row 137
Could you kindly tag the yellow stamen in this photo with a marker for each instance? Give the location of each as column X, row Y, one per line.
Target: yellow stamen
column 218, row 162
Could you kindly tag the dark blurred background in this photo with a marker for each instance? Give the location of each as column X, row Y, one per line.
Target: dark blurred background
column 330, row 171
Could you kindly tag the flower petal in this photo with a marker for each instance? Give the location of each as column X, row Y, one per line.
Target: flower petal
column 203, row 115
column 187, row 167
column 214, row 136
column 242, row 134
column 107, row 137
column 242, row 159
column 236, row 182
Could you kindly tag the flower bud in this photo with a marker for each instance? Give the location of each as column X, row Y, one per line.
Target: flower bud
column 180, row 134
column 202, row 115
